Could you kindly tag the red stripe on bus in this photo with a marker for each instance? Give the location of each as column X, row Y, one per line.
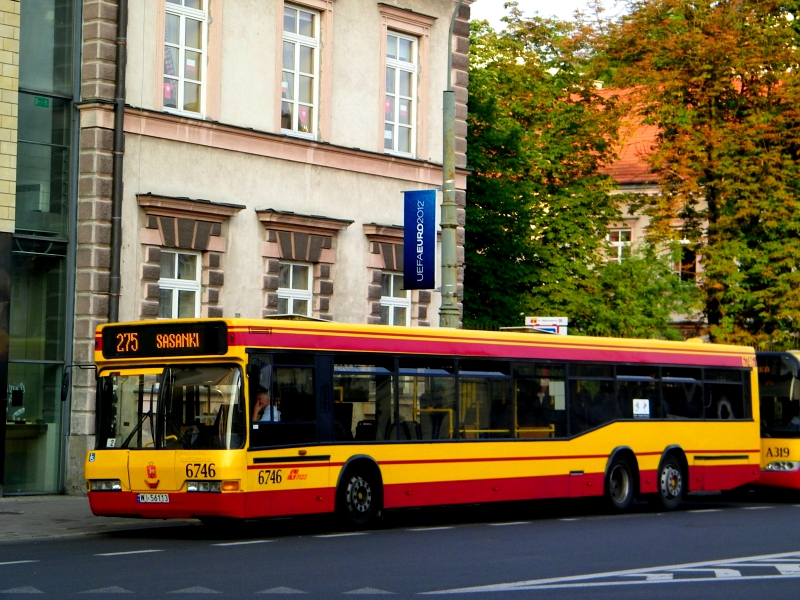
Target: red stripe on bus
column 487, row 349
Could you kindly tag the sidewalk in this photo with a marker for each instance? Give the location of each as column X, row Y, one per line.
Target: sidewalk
column 38, row 517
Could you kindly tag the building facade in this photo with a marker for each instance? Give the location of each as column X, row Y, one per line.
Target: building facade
column 266, row 149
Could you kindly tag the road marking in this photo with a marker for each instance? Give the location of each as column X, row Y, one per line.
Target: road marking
column 704, row 510
column 756, row 507
column 509, row 523
column 723, row 570
column 568, row 519
column 368, row 590
column 195, row 590
column 247, row 543
column 336, row 535
column 22, row 590
column 114, row 589
column 17, row 562
column 281, row 590
column 428, row 528
column 128, row 552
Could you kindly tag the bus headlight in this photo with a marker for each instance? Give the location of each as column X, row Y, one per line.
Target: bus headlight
column 204, row 486
column 782, row 466
column 105, row 485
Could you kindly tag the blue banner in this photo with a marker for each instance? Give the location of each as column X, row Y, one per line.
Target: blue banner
column 419, row 254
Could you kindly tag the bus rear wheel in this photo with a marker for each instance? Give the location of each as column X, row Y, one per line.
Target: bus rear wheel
column 619, row 485
column 671, row 483
column 359, row 497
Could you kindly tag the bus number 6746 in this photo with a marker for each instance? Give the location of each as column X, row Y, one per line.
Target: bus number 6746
column 266, row 476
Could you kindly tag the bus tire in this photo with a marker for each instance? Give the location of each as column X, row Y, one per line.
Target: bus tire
column 619, row 485
column 671, row 483
column 360, row 497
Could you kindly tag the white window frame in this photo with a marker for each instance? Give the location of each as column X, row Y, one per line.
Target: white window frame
column 413, row 68
column 199, row 15
column 291, row 294
column 183, row 285
column 619, row 246
column 314, row 43
column 393, row 302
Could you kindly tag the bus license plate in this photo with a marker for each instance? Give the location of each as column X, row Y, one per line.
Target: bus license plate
column 154, row 498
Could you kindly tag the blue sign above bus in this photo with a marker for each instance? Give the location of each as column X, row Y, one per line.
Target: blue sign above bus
column 419, row 255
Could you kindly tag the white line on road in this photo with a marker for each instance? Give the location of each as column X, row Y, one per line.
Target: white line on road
column 244, row 543
column 568, row 519
column 509, row 523
column 757, row 507
column 705, row 510
column 128, row 552
column 427, row 528
column 591, row 580
column 17, row 562
column 336, row 535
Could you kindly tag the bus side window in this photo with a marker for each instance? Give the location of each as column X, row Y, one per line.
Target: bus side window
column 362, row 397
column 541, row 400
column 724, row 394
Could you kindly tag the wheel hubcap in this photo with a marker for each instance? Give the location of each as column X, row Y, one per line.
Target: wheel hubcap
column 618, row 484
column 359, row 495
column 671, row 482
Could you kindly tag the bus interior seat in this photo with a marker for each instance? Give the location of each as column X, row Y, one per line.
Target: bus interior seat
column 366, row 430
column 343, row 420
column 405, row 430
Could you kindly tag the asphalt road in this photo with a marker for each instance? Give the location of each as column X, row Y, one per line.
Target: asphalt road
column 745, row 546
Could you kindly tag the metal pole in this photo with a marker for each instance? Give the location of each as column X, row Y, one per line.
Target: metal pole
column 449, row 313
column 119, row 151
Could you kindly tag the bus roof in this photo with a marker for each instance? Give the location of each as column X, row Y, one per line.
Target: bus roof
column 346, row 337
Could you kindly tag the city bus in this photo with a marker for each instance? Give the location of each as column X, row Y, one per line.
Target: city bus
column 242, row 419
column 779, row 391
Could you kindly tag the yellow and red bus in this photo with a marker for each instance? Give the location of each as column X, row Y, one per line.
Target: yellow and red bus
column 779, row 389
column 236, row 418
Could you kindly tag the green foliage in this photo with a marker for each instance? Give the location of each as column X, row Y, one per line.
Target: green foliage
column 636, row 298
column 720, row 79
column 537, row 206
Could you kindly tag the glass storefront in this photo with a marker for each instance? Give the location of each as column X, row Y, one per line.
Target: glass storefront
column 40, row 253
column 36, row 362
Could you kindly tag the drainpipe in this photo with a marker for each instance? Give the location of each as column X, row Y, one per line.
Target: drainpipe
column 119, row 150
column 448, row 312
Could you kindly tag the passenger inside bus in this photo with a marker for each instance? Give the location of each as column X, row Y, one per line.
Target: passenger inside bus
column 263, row 410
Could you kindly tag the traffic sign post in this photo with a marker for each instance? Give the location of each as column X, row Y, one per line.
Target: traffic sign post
column 556, row 325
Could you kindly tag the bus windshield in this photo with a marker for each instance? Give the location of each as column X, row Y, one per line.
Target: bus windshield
column 779, row 389
column 171, row 408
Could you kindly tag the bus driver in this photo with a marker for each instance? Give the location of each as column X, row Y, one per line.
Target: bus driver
column 263, row 411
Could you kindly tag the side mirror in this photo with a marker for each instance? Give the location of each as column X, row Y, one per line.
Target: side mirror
column 65, row 382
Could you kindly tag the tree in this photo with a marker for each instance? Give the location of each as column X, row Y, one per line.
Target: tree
column 720, row 80
column 537, row 206
column 636, row 297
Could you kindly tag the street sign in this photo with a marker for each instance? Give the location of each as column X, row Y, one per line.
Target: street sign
column 556, row 325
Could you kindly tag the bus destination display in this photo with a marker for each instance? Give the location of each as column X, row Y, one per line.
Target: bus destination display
column 147, row 341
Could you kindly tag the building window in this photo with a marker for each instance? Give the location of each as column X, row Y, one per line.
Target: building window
column 395, row 303
column 294, row 289
column 300, row 74
column 401, row 91
column 179, row 286
column 619, row 241
column 185, row 40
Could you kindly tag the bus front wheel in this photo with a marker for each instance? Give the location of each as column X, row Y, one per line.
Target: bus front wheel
column 619, row 485
column 671, row 483
column 359, row 497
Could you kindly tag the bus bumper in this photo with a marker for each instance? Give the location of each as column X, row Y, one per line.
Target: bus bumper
column 784, row 479
column 181, row 505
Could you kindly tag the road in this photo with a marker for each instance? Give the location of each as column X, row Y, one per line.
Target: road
column 713, row 547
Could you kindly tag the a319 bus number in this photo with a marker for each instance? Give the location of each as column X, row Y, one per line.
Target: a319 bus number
column 201, row 470
column 267, row 476
column 127, row 342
